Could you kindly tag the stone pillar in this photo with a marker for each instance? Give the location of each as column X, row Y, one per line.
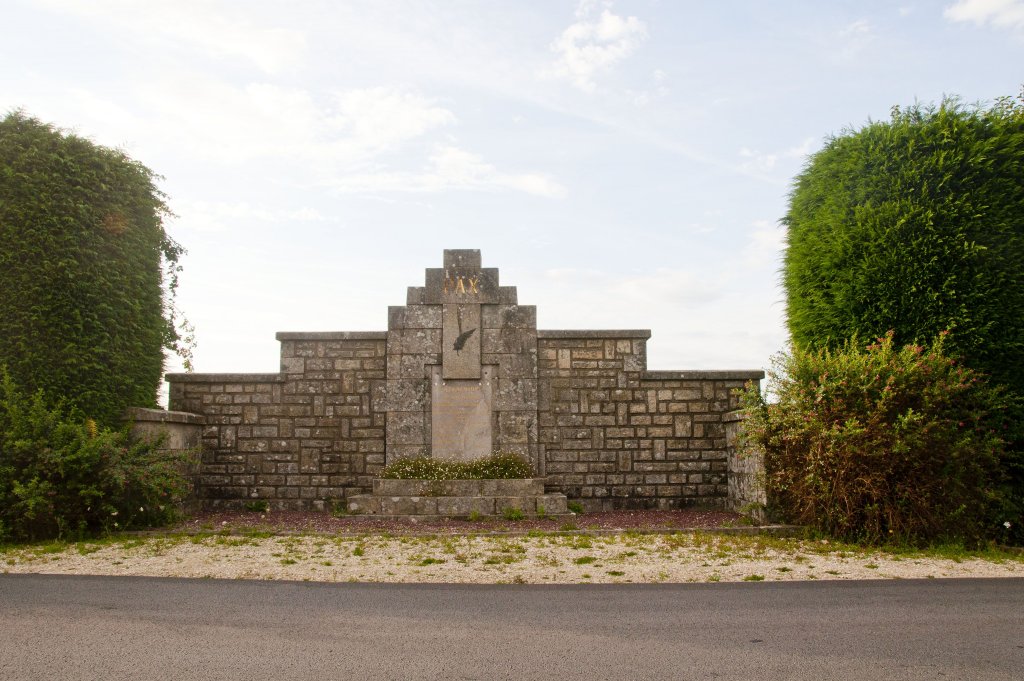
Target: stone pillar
column 747, row 492
column 182, row 431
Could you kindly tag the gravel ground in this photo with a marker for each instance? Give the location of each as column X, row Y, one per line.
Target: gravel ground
column 247, row 546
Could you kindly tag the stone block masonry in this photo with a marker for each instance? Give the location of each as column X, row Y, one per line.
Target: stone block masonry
column 614, row 435
column 462, row 371
column 302, row 438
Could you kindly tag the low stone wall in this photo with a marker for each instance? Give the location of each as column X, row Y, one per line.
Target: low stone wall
column 180, row 430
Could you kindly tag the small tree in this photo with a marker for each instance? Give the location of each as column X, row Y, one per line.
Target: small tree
column 84, row 260
column 915, row 225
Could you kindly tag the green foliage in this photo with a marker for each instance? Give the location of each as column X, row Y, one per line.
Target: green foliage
column 62, row 476
column 884, row 444
column 915, row 225
column 513, row 513
column 83, row 262
column 498, row 466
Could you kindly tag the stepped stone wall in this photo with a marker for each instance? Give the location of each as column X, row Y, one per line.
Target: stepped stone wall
column 615, row 435
column 462, row 371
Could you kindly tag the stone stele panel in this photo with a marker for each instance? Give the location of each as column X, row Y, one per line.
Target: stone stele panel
column 461, row 416
column 461, row 342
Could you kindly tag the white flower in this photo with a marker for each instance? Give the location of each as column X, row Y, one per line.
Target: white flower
column 113, row 513
column 1007, row 524
column 141, row 510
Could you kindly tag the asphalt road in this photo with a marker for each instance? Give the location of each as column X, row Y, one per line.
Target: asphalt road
column 56, row 627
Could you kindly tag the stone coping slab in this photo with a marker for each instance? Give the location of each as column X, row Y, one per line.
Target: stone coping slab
column 143, row 415
column 734, row 416
column 593, row 333
column 225, row 378
column 704, row 374
column 459, row 488
column 331, row 335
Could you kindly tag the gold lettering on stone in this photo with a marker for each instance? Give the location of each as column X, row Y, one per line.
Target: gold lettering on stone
column 459, row 283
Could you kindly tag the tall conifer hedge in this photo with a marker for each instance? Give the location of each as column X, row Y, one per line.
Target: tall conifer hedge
column 915, row 225
column 83, row 262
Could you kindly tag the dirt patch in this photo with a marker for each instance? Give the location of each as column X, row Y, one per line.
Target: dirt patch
column 293, row 522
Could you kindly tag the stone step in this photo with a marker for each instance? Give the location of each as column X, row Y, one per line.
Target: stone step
column 517, row 487
column 457, row 506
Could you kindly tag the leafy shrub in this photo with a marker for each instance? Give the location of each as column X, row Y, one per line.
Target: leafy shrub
column 497, row 466
column 84, row 264
column 915, row 225
column 62, row 476
column 884, row 444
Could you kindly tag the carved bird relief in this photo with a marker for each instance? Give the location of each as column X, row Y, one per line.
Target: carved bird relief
column 460, row 342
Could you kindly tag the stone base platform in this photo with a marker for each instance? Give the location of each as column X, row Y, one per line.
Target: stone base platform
column 458, row 498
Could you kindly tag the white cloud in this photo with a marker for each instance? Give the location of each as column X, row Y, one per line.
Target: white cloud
column 215, row 120
column 860, row 27
column 853, row 38
column 759, row 162
column 765, row 244
column 382, row 118
column 595, row 43
column 212, row 216
column 1007, row 14
column 195, row 24
column 756, row 161
column 449, row 167
column 362, row 140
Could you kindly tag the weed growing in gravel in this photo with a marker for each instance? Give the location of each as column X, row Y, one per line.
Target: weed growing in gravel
column 513, row 514
column 579, row 542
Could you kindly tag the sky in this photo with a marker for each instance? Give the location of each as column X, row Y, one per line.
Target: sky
column 624, row 163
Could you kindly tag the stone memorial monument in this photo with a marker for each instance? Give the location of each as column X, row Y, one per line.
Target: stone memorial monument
column 460, row 373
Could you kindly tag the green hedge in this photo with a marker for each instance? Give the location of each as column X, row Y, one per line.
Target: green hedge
column 83, row 263
column 915, row 225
